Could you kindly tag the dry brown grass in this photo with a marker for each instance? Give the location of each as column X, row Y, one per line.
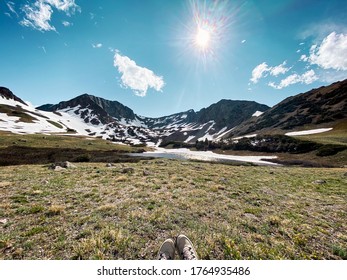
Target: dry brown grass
column 230, row 212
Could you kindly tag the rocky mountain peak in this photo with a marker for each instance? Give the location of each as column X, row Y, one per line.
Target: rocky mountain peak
column 7, row 94
column 105, row 109
column 230, row 113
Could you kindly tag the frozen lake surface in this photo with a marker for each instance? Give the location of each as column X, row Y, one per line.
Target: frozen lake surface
column 186, row 154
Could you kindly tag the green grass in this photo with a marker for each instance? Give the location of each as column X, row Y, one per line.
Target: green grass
column 336, row 136
column 229, row 212
column 17, row 112
column 59, row 141
column 58, row 125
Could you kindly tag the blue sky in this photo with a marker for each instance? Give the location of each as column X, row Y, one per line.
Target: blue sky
column 161, row 57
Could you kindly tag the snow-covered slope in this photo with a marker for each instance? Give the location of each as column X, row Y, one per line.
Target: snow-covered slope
column 93, row 116
column 96, row 117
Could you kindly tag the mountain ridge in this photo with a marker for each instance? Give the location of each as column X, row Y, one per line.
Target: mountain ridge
column 95, row 116
column 320, row 106
column 182, row 126
column 7, row 94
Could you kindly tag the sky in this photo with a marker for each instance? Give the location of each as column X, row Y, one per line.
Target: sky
column 162, row 57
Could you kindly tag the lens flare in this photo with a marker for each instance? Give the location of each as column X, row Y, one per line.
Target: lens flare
column 203, row 32
column 210, row 20
column 202, row 38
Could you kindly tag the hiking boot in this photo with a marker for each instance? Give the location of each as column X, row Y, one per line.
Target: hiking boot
column 167, row 250
column 185, row 248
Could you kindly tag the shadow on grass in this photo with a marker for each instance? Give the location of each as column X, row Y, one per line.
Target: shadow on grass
column 18, row 155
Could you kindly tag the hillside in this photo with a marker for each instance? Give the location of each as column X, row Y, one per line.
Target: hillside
column 322, row 107
column 94, row 116
column 104, row 109
column 5, row 93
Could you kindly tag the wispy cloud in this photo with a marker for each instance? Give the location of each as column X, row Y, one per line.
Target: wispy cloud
column 10, row 6
column 135, row 77
column 43, row 48
column 263, row 70
column 66, row 23
column 67, row 6
column 318, row 31
column 330, row 54
column 307, row 78
column 97, row 46
column 38, row 14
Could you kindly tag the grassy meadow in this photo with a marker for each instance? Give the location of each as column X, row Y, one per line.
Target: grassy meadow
column 127, row 210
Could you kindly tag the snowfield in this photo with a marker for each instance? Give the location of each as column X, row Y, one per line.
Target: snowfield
column 184, row 153
column 257, row 114
column 308, row 132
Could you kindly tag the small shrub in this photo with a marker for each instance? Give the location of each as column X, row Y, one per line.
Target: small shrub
column 36, row 209
column 55, row 210
column 339, row 251
column 83, row 158
column 329, row 150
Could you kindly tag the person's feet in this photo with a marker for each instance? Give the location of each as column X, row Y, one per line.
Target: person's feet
column 185, row 248
column 167, row 250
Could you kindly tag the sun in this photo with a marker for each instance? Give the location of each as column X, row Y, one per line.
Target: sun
column 202, row 38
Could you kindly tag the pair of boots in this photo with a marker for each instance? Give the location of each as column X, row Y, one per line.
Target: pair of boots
column 183, row 246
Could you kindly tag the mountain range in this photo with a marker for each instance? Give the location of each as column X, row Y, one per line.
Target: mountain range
column 97, row 117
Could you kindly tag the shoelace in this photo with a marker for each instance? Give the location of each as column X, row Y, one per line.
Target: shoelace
column 188, row 253
column 163, row 256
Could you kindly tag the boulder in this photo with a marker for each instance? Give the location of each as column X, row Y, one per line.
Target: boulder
column 127, row 170
column 58, row 166
column 319, row 182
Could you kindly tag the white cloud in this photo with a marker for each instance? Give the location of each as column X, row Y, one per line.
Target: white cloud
column 307, row 78
column 243, row 41
column 304, row 57
column 331, row 53
column 67, row 6
column 139, row 79
column 38, row 14
column 319, row 31
column 96, row 46
column 259, row 72
column 66, row 23
column 10, row 6
column 279, row 69
column 262, row 70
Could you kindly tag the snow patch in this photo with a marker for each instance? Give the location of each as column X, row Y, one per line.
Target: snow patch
column 220, row 136
column 245, row 136
column 257, row 114
column 308, row 132
column 189, row 139
column 210, row 156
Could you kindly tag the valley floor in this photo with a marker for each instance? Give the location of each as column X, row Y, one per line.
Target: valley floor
column 127, row 210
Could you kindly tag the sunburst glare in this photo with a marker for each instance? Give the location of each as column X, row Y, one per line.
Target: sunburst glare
column 206, row 30
column 202, row 38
